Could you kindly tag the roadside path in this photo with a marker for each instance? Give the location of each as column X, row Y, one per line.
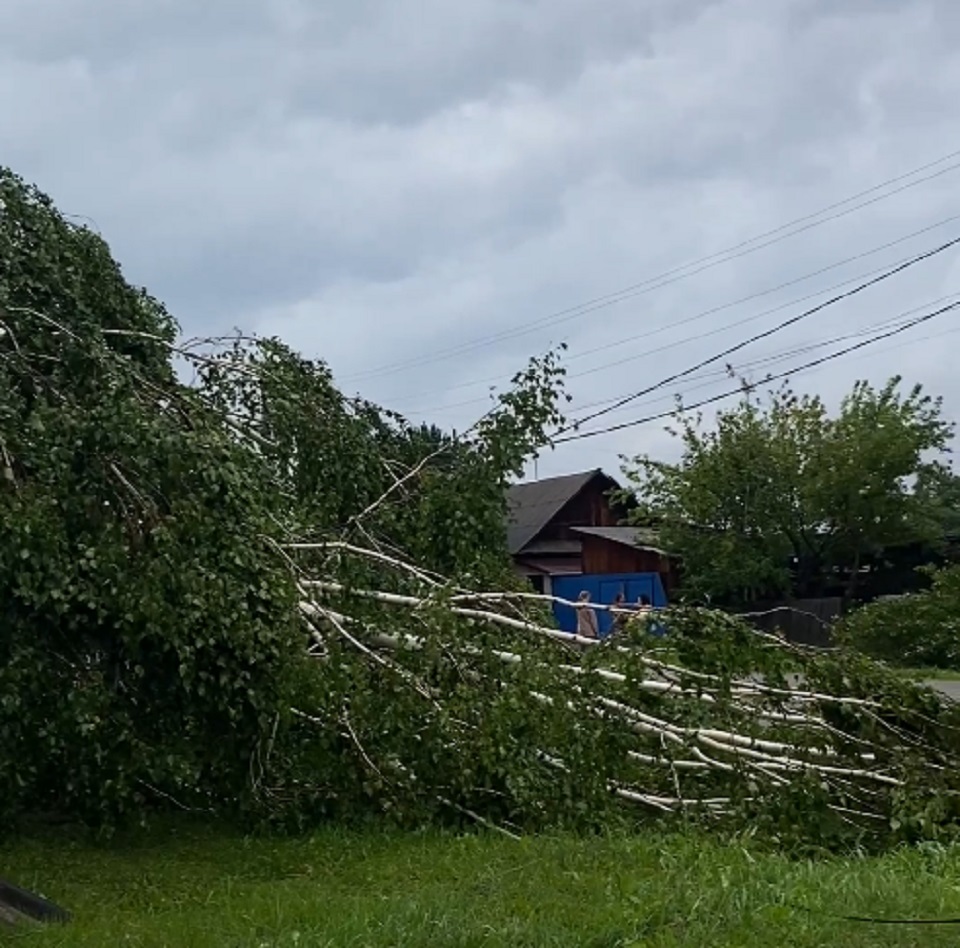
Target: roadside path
column 950, row 688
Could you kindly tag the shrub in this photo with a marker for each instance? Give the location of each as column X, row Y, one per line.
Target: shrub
column 921, row 630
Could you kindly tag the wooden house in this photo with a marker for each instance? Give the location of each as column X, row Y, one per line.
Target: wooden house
column 569, row 526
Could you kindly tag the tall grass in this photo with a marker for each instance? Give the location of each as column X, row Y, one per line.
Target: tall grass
column 209, row 887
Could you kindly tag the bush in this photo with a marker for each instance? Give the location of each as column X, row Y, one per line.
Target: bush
column 917, row 631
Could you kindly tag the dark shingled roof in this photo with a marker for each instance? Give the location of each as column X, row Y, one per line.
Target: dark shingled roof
column 530, row 506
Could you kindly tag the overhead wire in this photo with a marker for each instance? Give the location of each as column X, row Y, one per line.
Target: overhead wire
column 710, row 377
column 793, row 320
column 744, row 370
column 684, row 271
column 581, row 435
column 712, row 374
column 673, row 324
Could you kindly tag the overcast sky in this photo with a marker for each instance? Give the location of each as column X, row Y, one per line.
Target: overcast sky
column 413, row 190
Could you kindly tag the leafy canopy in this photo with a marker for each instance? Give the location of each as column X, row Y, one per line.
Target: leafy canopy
column 780, row 498
column 140, row 579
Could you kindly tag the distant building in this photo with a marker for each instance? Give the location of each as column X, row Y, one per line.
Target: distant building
column 568, row 526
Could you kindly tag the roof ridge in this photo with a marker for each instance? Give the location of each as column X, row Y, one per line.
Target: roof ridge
column 537, row 501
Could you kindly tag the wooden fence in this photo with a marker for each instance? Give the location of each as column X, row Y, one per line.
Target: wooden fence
column 802, row 621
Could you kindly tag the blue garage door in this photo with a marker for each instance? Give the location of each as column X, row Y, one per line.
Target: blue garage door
column 603, row 589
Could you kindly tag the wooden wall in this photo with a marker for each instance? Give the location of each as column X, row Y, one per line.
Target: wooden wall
column 590, row 508
column 605, row 556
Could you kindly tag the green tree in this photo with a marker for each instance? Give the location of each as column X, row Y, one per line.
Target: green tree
column 141, row 579
column 147, row 578
column 333, row 457
column 780, row 498
column 873, row 455
column 225, row 596
column 940, row 488
column 66, row 277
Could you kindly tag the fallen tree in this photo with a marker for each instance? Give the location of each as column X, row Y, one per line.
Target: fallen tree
column 519, row 723
column 250, row 593
column 426, row 697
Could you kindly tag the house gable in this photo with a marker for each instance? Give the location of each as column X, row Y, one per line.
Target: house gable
column 552, row 506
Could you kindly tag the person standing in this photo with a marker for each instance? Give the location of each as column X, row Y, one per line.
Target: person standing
column 587, row 625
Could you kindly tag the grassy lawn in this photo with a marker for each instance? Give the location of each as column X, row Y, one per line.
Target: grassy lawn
column 190, row 887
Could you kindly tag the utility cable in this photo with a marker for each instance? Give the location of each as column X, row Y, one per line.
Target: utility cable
column 740, row 388
column 673, row 324
column 682, row 272
column 793, row 320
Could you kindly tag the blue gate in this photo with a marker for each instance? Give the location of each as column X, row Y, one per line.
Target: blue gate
column 603, row 589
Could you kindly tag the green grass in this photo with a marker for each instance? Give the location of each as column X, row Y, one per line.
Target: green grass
column 189, row 887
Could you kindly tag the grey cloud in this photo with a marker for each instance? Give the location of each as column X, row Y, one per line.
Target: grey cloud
column 378, row 180
column 448, row 52
column 375, row 61
column 106, row 32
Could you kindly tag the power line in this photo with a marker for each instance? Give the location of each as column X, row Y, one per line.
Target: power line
column 926, row 255
column 789, row 373
column 682, row 272
column 772, row 378
column 716, row 309
column 713, row 374
column 664, row 279
column 900, row 346
column 709, row 378
column 739, row 322
column 713, row 377
column 802, row 299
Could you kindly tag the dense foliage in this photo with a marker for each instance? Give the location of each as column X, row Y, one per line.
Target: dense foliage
column 940, row 489
column 145, row 640
column 254, row 593
column 782, row 499
column 150, row 638
column 916, row 631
